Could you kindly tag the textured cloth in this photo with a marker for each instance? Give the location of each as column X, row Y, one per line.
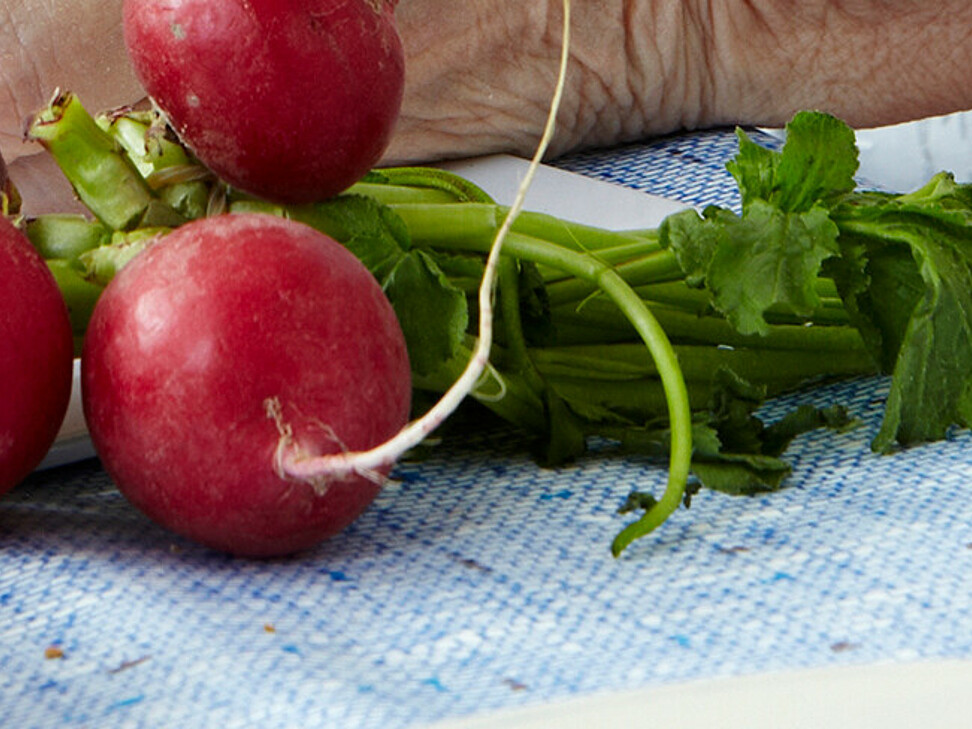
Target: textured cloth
column 479, row 581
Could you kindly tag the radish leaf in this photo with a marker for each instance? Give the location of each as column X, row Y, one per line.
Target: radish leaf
column 817, row 165
column 763, row 259
column 431, row 311
column 911, row 291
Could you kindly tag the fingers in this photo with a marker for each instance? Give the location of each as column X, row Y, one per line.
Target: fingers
column 869, row 62
column 69, row 44
column 42, row 186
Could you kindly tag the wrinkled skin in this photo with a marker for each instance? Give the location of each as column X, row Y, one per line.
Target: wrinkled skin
column 480, row 72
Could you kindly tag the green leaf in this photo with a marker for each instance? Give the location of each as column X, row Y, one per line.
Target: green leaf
column 932, row 377
column 740, row 455
column 370, row 230
column 770, row 258
column 880, row 286
column 771, row 255
column 742, row 475
column 816, row 165
column 694, row 240
column 535, row 316
column 565, row 439
column 778, row 436
column 730, row 416
column 941, row 197
column 818, row 162
column 754, row 169
column 910, row 290
column 431, row 311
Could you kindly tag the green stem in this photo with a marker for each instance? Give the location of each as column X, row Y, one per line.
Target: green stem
column 65, row 236
column 679, row 409
column 101, row 264
column 389, row 194
column 653, row 268
column 587, row 267
column 174, row 175
column 101, row 173
column 579, row 237
column 701, row 362
column 678, row 294
column 146, row 147
column 79, row 294
column 475, row 223
column 597, row 315
column 470, row 226
column 431, row 179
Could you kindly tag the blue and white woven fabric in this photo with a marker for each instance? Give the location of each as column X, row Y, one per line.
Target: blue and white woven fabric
column 479, row 581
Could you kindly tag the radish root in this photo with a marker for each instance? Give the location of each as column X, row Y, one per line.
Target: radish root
column 288, row 451
column 490, row 375
column 369, row 463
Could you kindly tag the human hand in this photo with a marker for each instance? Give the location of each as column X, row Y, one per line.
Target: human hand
column 480, row 73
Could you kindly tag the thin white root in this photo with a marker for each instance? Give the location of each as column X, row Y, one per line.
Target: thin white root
column 272, row 407
column 382, row 457
column 288, row 452
column 491, row 374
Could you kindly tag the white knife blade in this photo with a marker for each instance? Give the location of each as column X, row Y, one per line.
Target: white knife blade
column 566, row 195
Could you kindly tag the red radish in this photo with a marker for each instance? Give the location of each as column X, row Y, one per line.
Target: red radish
column 289, row 100
column 233, row 342
column 36, row 357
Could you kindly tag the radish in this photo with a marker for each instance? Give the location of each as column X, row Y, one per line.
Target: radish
column 231, row 344
column 36, row 356
column 291, row 101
